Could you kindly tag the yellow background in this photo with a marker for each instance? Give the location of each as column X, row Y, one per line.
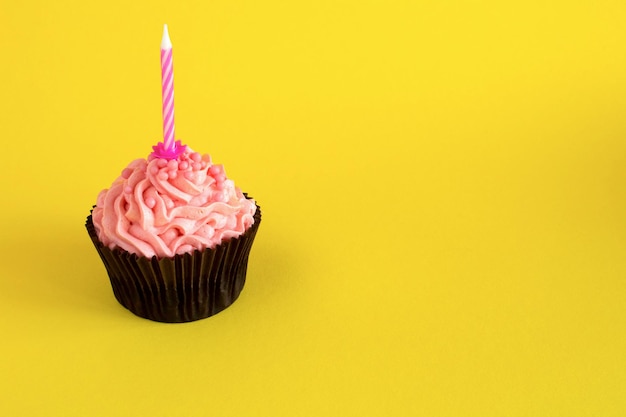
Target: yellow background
column 442, row 185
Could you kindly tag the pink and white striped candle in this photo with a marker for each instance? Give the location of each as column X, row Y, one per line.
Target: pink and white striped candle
column 167, row 89
column 170, row 148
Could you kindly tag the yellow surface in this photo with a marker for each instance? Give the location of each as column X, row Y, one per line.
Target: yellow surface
column 443, row 187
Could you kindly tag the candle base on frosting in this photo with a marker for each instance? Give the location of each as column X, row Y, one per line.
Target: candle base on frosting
column 160, row 151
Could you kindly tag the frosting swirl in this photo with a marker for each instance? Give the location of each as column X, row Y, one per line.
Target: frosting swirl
column 159, row 207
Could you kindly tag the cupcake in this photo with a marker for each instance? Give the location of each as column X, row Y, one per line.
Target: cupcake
column 174, row 235
column 173, row 232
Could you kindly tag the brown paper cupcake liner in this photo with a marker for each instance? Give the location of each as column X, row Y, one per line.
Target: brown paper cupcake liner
column 184, row 288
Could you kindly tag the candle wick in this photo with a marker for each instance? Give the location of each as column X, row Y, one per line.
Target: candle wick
column 166, row 43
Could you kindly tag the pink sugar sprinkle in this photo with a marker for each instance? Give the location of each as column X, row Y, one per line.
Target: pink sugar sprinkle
column 196, row 157
column 150, row 202
column 197, row 166
column 163, row 176
column 183, row 165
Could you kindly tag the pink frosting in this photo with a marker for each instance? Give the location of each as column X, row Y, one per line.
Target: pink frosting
column 162, row 208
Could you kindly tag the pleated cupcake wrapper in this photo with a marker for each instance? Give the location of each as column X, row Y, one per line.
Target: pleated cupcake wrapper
column 184, row 288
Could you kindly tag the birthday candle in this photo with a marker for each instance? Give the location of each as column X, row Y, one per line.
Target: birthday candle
column 167, row 83
column 170, row 148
